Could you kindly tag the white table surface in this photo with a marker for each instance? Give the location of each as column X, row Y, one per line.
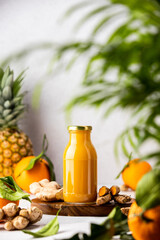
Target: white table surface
column 68, row 225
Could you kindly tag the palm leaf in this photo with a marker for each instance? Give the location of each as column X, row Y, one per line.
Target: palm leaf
column 133, row 50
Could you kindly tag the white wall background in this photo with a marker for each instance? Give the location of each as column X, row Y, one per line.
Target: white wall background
column 23, row 23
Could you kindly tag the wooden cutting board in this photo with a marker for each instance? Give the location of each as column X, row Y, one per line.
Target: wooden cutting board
column 77, row 210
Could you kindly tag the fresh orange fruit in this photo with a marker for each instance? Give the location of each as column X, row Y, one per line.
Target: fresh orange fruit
column 134, row 172
column 4, row 202
column 26, row 177
column 147, row 226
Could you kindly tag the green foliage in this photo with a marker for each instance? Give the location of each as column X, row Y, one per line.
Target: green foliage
column 10, row 190
column 115, row 225
column 148, row 189
column 49, row 229
column 131, row 52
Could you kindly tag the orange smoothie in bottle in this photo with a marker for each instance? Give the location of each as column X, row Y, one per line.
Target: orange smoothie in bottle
column 79, row 167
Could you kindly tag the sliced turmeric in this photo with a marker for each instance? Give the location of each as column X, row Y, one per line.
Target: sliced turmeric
column 106, row 195
column 103, row 191
column 114, row 190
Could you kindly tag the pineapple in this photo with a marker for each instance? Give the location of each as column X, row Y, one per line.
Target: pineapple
column 14, row 144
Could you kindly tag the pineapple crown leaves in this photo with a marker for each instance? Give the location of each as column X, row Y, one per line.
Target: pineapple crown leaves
column 11, row 106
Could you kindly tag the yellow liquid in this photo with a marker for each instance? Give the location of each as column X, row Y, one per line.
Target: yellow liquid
column 80, row 169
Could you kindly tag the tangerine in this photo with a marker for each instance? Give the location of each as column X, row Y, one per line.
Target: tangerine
column 26, row 177
column 4, row 202
column 145, row 227
column 134, row 172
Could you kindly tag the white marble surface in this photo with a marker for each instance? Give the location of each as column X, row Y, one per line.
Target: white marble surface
column 68, row 225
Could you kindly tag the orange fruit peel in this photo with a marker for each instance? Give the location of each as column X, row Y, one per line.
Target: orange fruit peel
column 144, row 225
column 26, row 177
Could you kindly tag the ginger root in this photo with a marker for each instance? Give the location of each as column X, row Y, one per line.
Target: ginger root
column 1, row 213
column 16, row 218
column 20, row 222
column 10, row 210
column 35, row 214
column 47, row 191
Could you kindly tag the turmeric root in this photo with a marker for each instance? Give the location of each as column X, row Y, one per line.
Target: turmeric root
column 122, row 198
column 16, row 218
column 105, row 195
column 124, row 188
column 125, row 210
column 114, row 190
column 104, row 199
column 47, row 191
column 103, row 191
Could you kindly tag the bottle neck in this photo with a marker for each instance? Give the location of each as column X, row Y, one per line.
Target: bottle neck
column 80, row 136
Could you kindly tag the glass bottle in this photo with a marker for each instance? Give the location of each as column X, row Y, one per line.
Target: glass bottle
column 80, row 167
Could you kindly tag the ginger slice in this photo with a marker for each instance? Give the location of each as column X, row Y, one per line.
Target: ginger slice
column 103, row 191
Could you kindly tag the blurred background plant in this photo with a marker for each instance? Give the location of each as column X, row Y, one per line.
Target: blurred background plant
column 122, row 71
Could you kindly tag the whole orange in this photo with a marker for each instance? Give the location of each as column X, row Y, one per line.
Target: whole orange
column 26, row 177
column 146, row 227
column 134, row 172
column 4, row 202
